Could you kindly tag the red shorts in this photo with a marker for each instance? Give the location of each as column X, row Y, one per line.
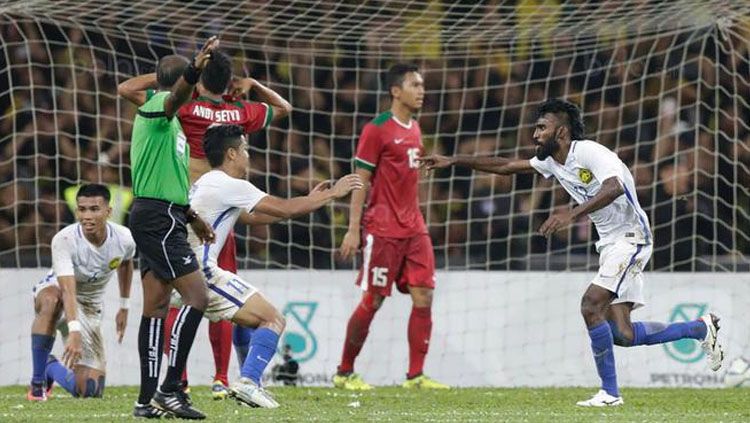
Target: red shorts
column 405, row 261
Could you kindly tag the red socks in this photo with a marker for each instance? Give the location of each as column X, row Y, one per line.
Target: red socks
column 220, row 335
column 356, row 333
column 420, row 329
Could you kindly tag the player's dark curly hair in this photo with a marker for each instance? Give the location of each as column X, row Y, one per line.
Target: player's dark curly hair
column 217, row 73
column 567, row 112
column 218, row 139
column 93, row 190
column 396, row 73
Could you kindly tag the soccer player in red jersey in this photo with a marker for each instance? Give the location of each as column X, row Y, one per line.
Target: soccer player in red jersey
column 211, row 105
column 397, row 248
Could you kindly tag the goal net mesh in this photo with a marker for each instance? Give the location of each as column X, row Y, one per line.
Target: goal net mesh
column 663, row 83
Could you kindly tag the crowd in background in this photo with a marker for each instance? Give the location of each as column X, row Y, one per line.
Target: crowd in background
column 674, row 107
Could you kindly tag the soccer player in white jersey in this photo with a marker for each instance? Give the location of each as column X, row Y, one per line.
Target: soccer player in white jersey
column 223, row 197
column 84, row 257
column 603, row 187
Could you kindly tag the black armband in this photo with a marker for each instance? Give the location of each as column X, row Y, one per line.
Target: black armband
column 191, row 74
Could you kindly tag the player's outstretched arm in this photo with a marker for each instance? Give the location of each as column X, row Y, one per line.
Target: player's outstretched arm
column 183, row 88
column 256, row 218
column 124, row 279
column 73, row 349
column 610, row 190
column 352, row 241
column 282, row 208
column 497, row 165
column 279, row 106
column 134, row 89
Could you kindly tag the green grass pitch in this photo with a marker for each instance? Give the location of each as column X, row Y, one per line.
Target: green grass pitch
column 392, row 404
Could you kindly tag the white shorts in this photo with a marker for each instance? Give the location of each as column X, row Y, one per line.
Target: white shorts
column 90, row 317
column 621, row 270
column 227, row 293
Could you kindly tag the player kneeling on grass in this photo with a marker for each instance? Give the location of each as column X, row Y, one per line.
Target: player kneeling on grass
column 222, row 197
column 84, row 257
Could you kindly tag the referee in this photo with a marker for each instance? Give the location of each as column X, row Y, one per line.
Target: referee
column 159, row 157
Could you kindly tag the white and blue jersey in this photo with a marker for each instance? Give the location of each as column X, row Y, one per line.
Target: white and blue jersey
column 588, row 165
column 625, row 240
column 92, row 266
column 219, row 199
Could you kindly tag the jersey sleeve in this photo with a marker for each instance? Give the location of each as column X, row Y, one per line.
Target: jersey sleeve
column 368, row 148
column 62, row 247
column 242, row 194
column 600, row 160
column 129, row 246
column 541, row 166
column 259, row 116
column 154, row 111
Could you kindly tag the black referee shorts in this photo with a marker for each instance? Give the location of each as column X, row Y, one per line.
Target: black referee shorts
column 160, row 233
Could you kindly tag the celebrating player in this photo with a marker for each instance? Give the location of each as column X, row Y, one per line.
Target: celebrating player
column 160, row 213
column 84, row 257
column 603, row 187
column 397, row 247
column 222, row 196
column 211, row 104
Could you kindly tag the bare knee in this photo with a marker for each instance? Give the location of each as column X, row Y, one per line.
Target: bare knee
column 277, row 322
column 421, row 297
column 48, row 306
column 622, row 334
column 372, row 301
column 156, row 308
column 195, row 296
column 592, row 310
column 199, row 302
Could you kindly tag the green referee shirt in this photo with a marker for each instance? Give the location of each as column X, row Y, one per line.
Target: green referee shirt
column 159, row 154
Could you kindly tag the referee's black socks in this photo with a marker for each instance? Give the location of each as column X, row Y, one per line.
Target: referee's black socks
column 150, row 350
column 180, row 342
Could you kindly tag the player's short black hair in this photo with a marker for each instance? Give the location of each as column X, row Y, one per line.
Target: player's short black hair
column 169, row 70
column 396, row 73
column 218, row 139
column 93, row 190
column 567, row 112
column 217, row 73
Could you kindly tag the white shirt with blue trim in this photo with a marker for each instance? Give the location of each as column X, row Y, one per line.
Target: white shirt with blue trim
column 588, row 165
column 219, row 198
column 92, row 266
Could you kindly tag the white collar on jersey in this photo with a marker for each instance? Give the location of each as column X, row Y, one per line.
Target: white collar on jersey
column 401, row 123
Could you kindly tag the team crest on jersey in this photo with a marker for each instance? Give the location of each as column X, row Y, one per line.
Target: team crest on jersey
column 585, row 175
column 114, row 263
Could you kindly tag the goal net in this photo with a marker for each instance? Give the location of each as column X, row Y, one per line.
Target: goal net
column 662, row 83
column 665, row 84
